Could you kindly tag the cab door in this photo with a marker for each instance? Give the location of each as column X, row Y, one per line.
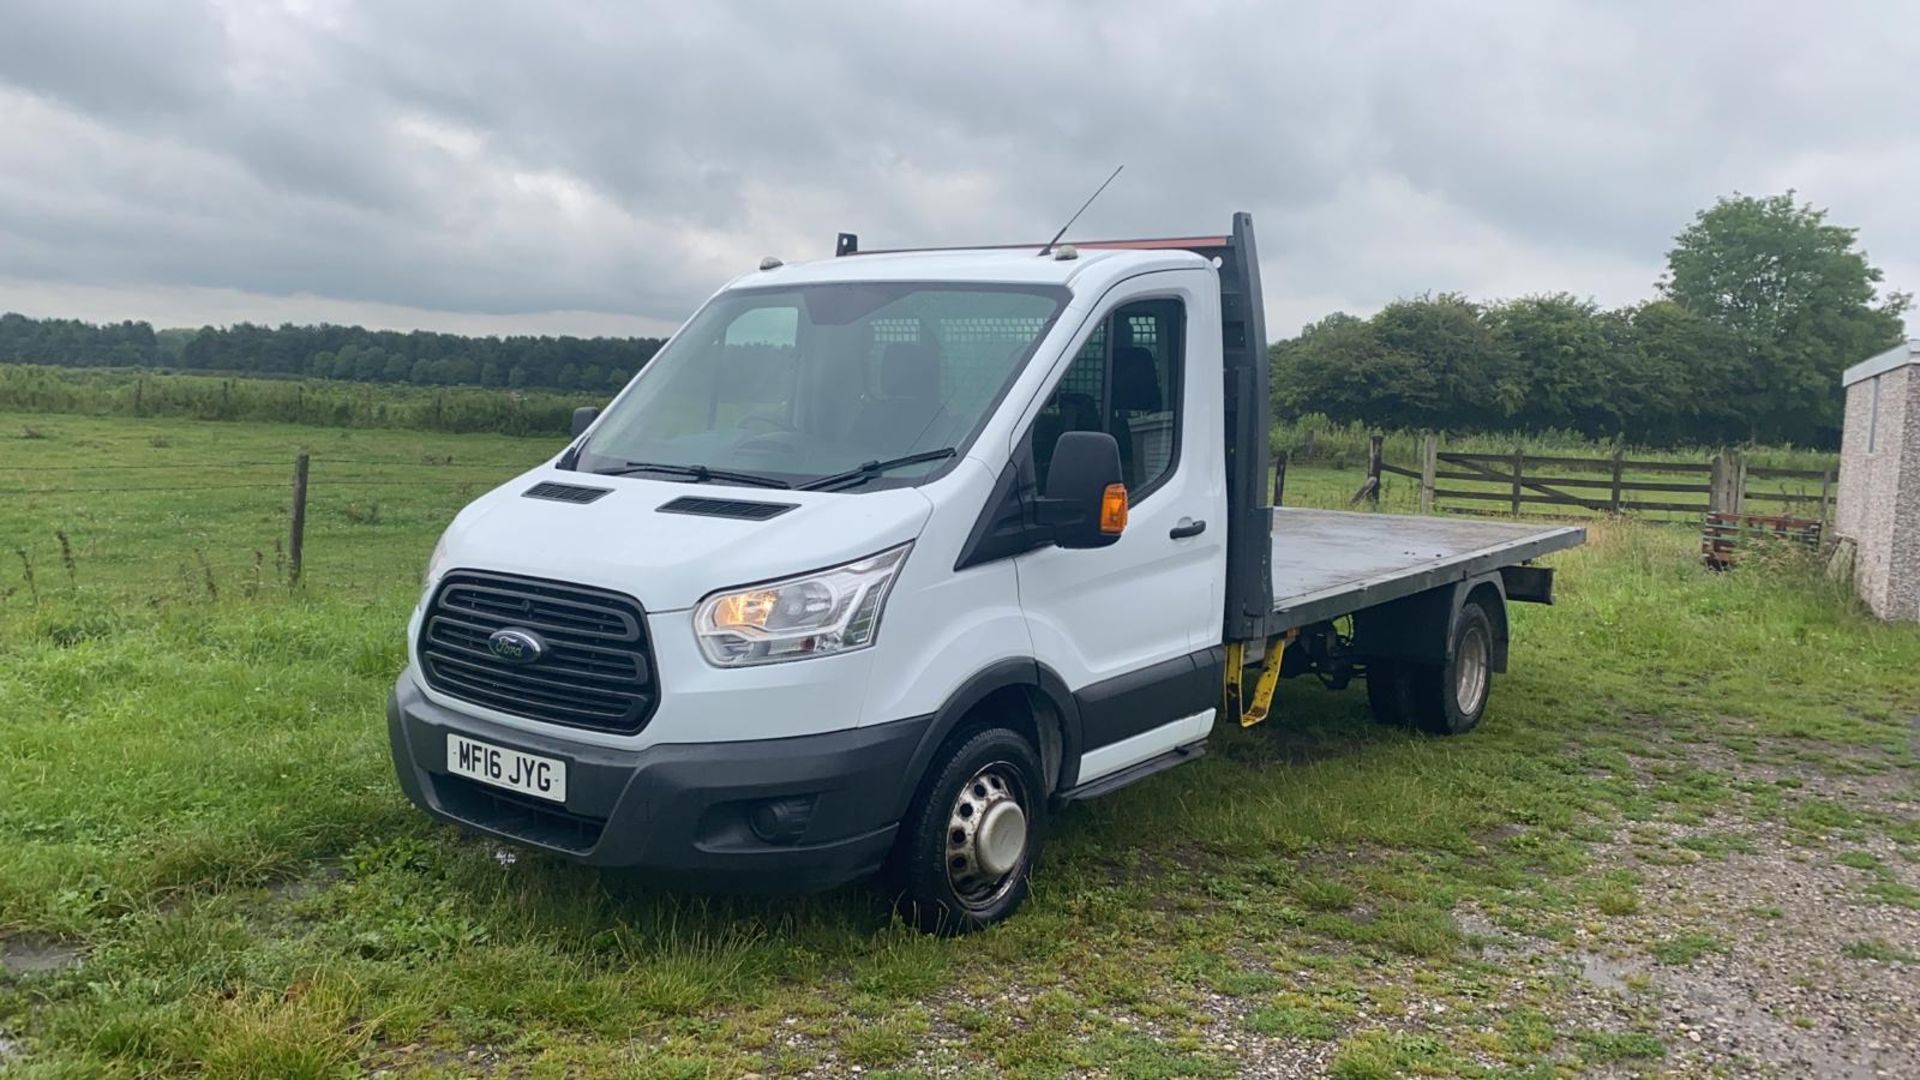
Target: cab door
column 1134, row 628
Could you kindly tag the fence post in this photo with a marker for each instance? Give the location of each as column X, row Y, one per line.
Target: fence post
column 1373, row 467
column 1279, row 477
column 297, row 528
column 1429, row 465
column 1720, row 484
column 1728, row 483
column 1519, row 464
column 1826, row 495
column 1619, row 454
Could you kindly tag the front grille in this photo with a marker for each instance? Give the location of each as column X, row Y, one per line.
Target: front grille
column 596, row 673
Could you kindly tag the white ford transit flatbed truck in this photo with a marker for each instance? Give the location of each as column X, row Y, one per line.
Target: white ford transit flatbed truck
column 885, row 555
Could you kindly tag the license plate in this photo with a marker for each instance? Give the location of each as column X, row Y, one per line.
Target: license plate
column 529, row 774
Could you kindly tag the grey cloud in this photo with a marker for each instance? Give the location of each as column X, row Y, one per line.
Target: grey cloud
column 508, row 159
column 138, row 58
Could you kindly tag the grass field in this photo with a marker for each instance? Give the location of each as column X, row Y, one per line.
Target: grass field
column 207, row 869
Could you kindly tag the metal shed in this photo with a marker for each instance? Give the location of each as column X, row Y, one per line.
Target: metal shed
column 1879, row 500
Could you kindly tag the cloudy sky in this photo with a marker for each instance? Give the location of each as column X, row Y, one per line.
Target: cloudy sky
column 600, row 167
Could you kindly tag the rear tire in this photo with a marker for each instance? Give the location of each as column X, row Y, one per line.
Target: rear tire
column 968, row 843
column 1450, row 698
column 1387, row 692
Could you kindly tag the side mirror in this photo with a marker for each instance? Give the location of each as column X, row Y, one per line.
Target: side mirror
column 583, row 418
column 1085, row 502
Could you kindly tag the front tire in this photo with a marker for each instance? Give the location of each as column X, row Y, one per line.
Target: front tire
column 969, row 841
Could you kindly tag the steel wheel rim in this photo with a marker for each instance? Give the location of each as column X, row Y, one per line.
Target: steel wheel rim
column 1470, row 671
column 986, row 842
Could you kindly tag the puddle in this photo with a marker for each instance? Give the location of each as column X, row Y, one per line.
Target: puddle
column 307, row 886
column 28, row 956
column 1606, row 972
column 1501, row 833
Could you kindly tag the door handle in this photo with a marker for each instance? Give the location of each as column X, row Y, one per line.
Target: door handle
column 1187, row 527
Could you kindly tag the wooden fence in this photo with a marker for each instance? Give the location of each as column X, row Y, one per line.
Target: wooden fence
column 1543, row 483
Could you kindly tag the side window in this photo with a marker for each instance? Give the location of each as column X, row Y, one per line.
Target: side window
column 777, row 327
column 1125, row 382
column 752, row 382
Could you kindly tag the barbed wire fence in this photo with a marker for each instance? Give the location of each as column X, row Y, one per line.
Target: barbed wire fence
column 284, row 489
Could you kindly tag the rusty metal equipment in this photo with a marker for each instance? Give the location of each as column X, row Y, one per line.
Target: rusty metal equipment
column 1725, row 532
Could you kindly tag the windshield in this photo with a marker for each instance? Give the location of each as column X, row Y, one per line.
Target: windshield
column 806, row 382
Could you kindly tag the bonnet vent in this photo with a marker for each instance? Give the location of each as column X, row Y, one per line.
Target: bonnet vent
column 566, row 493
column 726, row 508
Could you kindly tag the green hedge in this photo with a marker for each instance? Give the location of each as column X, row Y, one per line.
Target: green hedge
column 119, row 392
column 1315, row 439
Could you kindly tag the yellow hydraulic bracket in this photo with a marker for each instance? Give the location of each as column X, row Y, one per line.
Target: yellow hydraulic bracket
column 1252, row 713
column 1230, row 691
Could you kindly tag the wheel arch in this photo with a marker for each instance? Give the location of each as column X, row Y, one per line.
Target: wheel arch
column 1027, row 694
column 1420, row 628
column 1491, row 594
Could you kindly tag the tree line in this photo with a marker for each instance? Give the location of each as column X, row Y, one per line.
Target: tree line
column 353, row 353
column 1763, row 305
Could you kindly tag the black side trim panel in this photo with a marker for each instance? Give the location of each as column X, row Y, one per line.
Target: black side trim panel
column 1006, row 526
column 1126, row 777
column 1141, row 700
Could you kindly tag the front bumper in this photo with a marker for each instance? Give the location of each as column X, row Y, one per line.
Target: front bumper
column 679, row 810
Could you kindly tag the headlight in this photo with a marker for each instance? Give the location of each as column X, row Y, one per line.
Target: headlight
column 436, row 562
column 830, row 611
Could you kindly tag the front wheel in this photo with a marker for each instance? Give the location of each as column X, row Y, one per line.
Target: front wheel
column 969, row 842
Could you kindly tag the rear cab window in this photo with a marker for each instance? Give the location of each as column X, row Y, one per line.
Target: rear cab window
column 1125, row 381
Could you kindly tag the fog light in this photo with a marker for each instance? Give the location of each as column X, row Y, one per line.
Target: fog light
column 781, row 821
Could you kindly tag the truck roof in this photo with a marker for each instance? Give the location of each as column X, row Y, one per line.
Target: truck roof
column 1090, row 269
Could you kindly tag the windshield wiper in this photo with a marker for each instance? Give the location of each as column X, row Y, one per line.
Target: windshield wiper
column 700, row 474
column 860, row 474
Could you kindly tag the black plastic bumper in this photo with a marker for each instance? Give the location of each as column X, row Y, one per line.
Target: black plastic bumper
column 681, row 811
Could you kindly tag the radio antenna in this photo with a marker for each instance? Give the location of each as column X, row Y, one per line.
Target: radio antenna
column 1082, row 210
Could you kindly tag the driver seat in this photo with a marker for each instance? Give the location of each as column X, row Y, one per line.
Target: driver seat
column 893, row 421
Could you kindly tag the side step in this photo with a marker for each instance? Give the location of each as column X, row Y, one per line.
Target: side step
column 1113, row 782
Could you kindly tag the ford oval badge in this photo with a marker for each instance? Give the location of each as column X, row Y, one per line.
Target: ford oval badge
column 516, row 646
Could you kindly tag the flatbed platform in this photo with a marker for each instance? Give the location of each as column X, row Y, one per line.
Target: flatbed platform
column 1329, row 563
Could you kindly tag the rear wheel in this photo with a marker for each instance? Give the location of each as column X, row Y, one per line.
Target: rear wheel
column 1450, row 698
column 1387, row 691
column 968, row 844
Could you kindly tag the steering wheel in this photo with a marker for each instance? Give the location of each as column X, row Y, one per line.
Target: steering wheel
column 768, row 442
column 772, row 423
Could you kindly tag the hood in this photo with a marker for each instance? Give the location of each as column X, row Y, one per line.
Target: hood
column 623, row 541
